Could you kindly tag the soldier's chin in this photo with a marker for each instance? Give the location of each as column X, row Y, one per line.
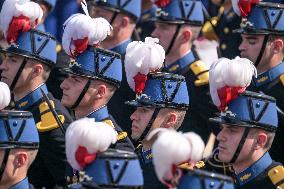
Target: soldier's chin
column 223, row 158
column 66, row 103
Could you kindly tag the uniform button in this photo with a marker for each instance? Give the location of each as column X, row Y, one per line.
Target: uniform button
column 139, row 30
column 223, row 46
column 226, row 30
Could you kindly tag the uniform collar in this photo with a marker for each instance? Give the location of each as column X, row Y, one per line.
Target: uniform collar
column 24, row 184
column 99, row 114
column 269, row 75
column 121, row 48
column 145, row 156
column 254, row 170
column 182, row 65
column 31, row 98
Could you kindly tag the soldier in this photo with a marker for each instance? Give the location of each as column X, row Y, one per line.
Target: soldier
column 88, row 149
column 122, row 15
column 161, row 101
column 18, row 148
column 183, row 20
column 221, row 25
column 29, row 59
column 94, row 73
column 19, row 144
column 263, row 43
column 248, row 122
column 47, row 6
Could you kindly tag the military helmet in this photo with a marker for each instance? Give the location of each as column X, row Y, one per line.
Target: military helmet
column 18, row 130
column 201, row 179
column 36, row 45
column 97, row 63
column 250, row 109
column 181, row 11
column 131, row 7
column 163, row 90
column 264, row 18
column 114, row 169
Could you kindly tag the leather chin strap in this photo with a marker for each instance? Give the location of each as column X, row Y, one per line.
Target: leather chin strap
column 173, row 39
column 148, row 127
column 263, row 47
column 241, row 144
column 4, row 162
column 85, row 89
column 113, row 18
column 17, row 76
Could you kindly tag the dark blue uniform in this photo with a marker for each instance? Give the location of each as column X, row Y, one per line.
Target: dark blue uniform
column 261, row 175
column 49, row 167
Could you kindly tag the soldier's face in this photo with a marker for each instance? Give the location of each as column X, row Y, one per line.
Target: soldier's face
column 10, row 67
column 72, row 88
column 229, row 138
column 251, row 46
column 165, row 33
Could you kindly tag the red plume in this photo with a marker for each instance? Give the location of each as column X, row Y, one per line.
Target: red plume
column 81, row 45
column 16, row 26
column 83, row 157
column 227, row 94
column 246, row 5
column 140, row 80
column 162, row 3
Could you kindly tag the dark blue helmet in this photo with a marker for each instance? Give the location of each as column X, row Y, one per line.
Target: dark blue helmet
column 264, row 18
column 18, row 130
column 131, row 7
column 163, row 90
column 97, row 63
column 36, row 45
column 115, row 169
column 251, row 109
column 182, row 11
column 200, row 179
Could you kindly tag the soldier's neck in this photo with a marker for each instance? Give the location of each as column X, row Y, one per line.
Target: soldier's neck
column 21, row 92
column 266, row 65
column 173, row 57
column 7, row 184
column 84, row 111
column 241, row 165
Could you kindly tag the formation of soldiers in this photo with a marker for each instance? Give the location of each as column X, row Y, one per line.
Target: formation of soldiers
column 147, row 94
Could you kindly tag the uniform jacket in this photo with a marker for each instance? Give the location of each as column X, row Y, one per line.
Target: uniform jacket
column 24, row 184
column 49, row 167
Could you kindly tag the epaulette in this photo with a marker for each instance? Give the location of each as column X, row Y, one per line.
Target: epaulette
column 201, row 72
column 189, row 166
column 282, row 79
column 48, row 121
column 276, row 175
column 120, row 135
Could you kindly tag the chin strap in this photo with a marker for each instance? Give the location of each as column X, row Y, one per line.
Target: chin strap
column 263, row 47
column 85, row 89
column 173, row 39
column 4, row 162
column 17, row 76
column 148, row 127
column 241, row 144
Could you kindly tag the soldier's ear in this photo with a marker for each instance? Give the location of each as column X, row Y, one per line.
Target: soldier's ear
column 261, row 140
column 278, row 46
column 171, row 120
column 21, row 159
column 125, row 21
column 101, row 91
column 186, row 35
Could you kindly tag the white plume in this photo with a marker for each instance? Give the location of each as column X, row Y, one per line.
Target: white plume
column 5, row 95
column 173, row 148
column 15, row 8
column 85, row 132
column 143, row 57
column 80, row 26
column 236, row 7
column 237, row 72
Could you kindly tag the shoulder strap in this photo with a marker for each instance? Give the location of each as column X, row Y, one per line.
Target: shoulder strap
column 276, row 175
column 201, row 72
